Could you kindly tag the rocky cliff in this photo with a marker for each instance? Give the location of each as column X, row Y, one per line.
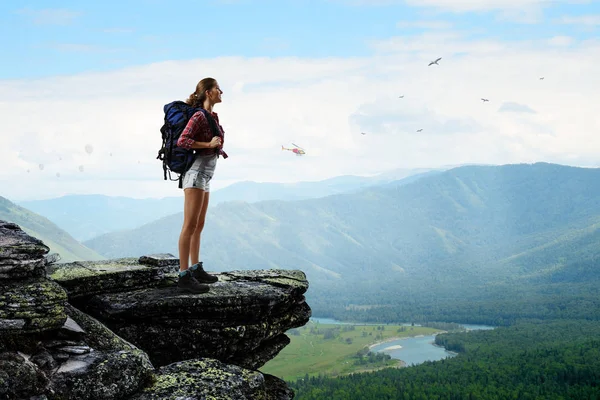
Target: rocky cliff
column 119, row 329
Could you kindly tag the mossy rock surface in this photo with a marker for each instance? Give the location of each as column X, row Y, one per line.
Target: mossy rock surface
column 242, row 319
column 31, row 305
column 250, row 346
column 102, row 375
column 237, row 297
column 19, row 378
column 86, row 278
column 21, row 256
column 208, row 379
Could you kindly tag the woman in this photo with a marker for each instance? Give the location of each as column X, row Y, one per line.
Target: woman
column 198, row 135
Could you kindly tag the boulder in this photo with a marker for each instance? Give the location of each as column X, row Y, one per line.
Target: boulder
column 211, row 379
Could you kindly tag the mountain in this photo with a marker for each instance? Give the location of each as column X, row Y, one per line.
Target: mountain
column 475, row 224
column 111, row 214
column 35, row 225
column 87, row 216
column 251, row 192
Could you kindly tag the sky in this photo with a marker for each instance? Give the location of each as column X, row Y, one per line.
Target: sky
column 83, row 91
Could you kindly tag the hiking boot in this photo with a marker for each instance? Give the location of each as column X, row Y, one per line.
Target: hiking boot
column 201, row 275
column 187, row 283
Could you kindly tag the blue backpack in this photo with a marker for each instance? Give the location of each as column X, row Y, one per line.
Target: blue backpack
column 176, row 159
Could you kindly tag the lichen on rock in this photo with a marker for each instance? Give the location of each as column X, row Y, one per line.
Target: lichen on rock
column 205, row 379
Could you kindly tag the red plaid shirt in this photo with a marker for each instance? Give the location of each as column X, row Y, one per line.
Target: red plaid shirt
column 198, row 130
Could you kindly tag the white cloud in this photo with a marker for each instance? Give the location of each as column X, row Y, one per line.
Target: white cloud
column 319, row 104
column 560, row 41
column 522, row 11
column 486, row 5
column 49, row 16
column 585, row 20
column 464, row 5
column 511, row 106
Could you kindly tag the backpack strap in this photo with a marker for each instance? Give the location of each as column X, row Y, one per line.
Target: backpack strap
column 215, row 129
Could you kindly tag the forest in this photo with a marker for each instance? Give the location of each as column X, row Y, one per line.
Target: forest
column 530, row 360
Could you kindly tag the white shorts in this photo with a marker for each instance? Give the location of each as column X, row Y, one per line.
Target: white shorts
column 200, row 173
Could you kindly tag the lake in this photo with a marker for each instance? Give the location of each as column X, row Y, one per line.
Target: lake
column 412, row 351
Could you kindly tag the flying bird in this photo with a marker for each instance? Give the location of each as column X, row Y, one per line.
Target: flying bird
column 419, row 130
column 401, row 97
column 484, row 100
column 542, row 78
column 435, row 62
column 363, row 133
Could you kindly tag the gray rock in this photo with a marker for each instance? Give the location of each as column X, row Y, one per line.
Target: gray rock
column 21, row 255
column 20, row 378
column 86, row 278
column 101, row 375
column 166, row 261
column 239, row 320
column 38, row 302
column 211, row 379
column 74, row 349
column 15, row 244
column 44, row 360
column 72, row 327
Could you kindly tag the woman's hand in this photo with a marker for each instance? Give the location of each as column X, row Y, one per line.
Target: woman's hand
column 215, row 142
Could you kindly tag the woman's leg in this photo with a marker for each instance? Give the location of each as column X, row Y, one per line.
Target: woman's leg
column 195, row 242
column 193, row 201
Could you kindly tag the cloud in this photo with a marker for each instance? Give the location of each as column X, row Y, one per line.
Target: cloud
column 50, row 16
column 509, row 106
column 588, row 21
column 560, row 41
column 319, row 104
column 388, row 116
column 485, row 5
column 463, row 5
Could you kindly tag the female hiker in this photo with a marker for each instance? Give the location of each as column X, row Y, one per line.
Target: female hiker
column 199, row 134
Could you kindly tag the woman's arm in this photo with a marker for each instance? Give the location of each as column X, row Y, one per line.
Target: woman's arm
column 194, row 136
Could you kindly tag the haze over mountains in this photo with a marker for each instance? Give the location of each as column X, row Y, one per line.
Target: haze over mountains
column 88, row 216
column 464, row 227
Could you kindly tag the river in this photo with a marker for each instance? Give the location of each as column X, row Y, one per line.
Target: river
column 412, row 350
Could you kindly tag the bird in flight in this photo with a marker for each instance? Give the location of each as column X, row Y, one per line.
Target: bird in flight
column 401, row 97
column 419, row 130
column 542, row 78
column 484, row 100
column 363, row 133
column 435, row 62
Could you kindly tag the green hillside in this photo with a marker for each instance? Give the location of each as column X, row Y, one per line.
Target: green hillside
column 35, row 225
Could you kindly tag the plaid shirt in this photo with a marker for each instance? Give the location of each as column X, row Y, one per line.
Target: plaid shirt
column 198, row 130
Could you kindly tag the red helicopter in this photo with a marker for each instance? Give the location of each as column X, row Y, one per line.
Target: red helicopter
column 298, row 150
